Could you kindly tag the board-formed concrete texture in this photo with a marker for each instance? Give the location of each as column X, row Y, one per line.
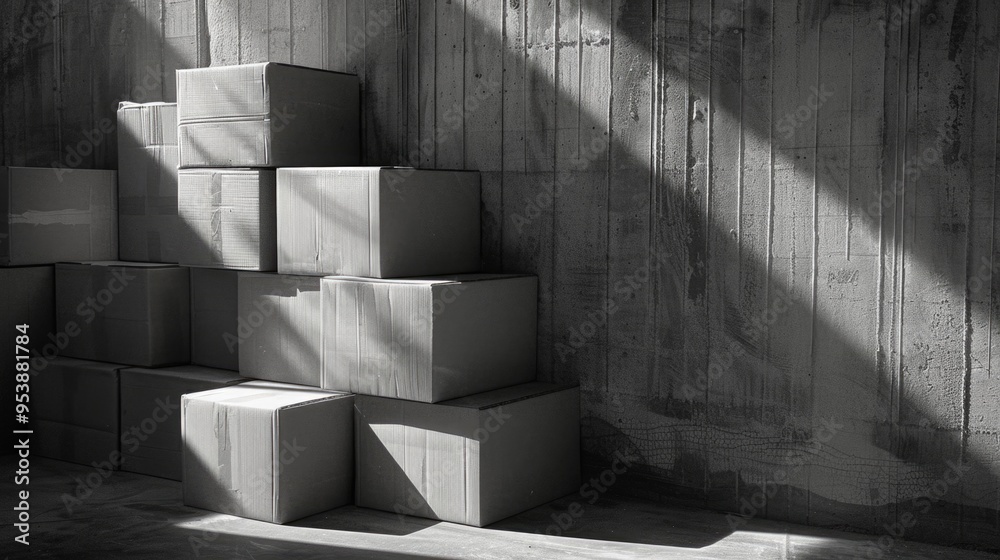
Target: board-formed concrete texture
column 747, row 218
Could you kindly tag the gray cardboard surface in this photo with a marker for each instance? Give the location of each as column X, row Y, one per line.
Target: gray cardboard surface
column 267, row 115
column 228, row 218
column 147, row 182
column 465, row 464
column 151, row 418
column 378, row 222
column 49, row 215
column 128, row 313
column 428, row 340
column 268, row 451
column 214, row 312
column 279, row 328
column 75, row 405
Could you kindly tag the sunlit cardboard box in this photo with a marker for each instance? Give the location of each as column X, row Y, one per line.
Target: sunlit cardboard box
column 429, row 340
column 474, row 460
column 228, row 219
column 268, row 451
column 267, row 115
column 381, row 222
column 279, row 328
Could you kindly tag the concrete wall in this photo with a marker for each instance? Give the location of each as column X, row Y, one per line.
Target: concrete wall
column 765, row 231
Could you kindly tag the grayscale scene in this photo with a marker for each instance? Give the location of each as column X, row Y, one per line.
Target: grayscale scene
column 500, row 279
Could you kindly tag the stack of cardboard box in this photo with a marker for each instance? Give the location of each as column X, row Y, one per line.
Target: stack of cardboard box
column 288, row 447
column 450, row 424
column 288, row 331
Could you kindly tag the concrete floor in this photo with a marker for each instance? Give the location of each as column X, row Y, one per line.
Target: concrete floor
column 134, row 516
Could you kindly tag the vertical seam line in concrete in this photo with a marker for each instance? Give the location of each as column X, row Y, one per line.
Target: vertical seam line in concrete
column 239, row 34
column 524, row 91
column 90, row 84
column 769, row 256
column 655, row 161
column 57, row 63
column 291, row 33
column 555, row 174
column 850, row 137
column 163, row 49
column 739, row 156
column 993, row 254
column 607, row 204
column 503, row 130
column 465, row 85
column 815, row 258
column 365, row 124
column 709, row 141
column 967, row 374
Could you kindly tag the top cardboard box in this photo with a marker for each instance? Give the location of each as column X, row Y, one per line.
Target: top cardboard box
column 49, row 215
column 267, row 115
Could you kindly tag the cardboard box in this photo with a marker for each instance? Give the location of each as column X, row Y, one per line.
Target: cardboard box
column 429, row 340
column 267, row 115
column 279, row 328
column 268, row 451
column 228, row 218
column 151, row 418
column 147, row 182
column 474, row 460
column 27, row 295
column 125, row 313
column 214, row 309
column 50, row 214
column 74, row 404
column 379, row 222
